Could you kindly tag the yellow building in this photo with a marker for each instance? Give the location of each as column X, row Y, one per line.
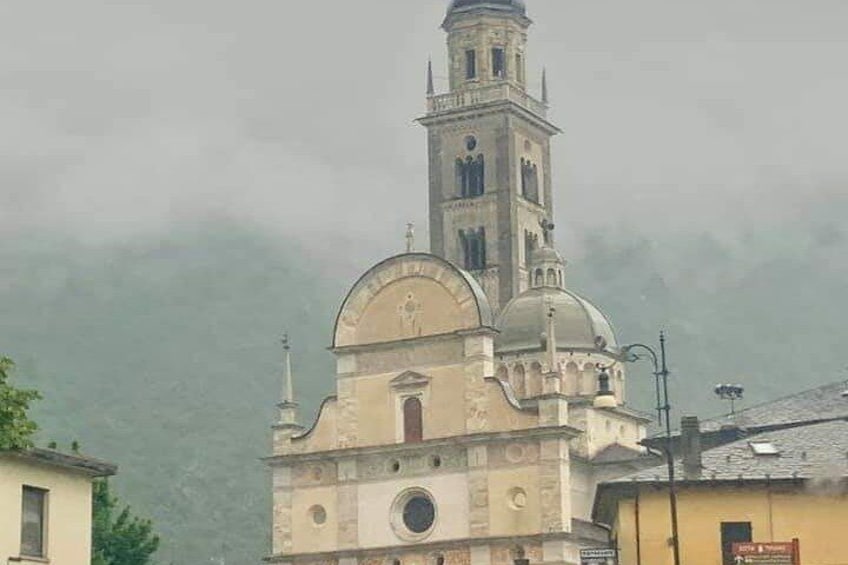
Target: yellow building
column 45, row 506
column 774, row 486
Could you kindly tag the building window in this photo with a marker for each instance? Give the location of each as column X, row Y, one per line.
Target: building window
column 531, row 242
column 33, row 521
column 471, row 176
column 519, row 68
column 529, row 181
column 470, row 64
column 498, row 62
column 733, row 532
column 473, row 244
column 413, row 421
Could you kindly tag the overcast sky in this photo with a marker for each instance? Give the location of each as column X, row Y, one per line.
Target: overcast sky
column 123, row 119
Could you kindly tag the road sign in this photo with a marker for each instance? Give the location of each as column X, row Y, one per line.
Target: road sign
column 598, row 556
column 769, row 553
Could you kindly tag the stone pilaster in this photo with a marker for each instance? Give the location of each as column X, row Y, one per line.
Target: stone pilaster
column 348, row 505
column 554, row 484
column 478, row 491
column 282, row 508
column 348, row 414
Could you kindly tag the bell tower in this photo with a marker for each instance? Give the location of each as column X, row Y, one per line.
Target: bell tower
column 489, row 149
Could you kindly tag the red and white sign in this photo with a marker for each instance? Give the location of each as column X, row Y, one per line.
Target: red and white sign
column 768, row 553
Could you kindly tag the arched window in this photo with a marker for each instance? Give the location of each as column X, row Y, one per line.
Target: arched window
column 413, row 421
column 529, row 181
column 473, row 245
column 470, row 177
column 479, row 187
column 540, row 278
column 552, row 277
column 461, row 178
column 519, row 384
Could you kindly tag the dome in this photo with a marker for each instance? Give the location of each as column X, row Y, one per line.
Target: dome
column 516, row 6
column 579, row 324
column 547, row 254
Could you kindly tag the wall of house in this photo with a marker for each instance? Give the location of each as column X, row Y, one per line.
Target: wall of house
column 68, row 538
column 776, row 514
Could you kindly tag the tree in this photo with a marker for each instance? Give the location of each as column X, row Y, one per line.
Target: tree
column 119, row 540
column 16, row 429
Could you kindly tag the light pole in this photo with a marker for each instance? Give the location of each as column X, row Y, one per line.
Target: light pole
column 629, row 354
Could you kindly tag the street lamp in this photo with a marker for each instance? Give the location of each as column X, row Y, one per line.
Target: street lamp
column 629, row 354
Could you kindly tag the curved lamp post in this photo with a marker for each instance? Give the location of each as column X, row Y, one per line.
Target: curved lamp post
column 630, row 354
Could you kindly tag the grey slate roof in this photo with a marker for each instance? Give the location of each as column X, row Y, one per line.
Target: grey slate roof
column 75, row 462
column 820, row 403
column 814, row 451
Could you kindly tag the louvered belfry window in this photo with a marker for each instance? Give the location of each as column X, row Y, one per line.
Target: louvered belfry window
column 33, row 519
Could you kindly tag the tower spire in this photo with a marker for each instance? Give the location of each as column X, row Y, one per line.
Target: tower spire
column 545, row 86
column 431, row 89
column 288, row 386
column 287, row 405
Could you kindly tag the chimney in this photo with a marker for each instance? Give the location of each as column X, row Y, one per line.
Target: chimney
column 690, row 437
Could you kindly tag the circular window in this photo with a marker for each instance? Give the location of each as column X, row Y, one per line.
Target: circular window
column 436, row 461
column 394, row 465
column 517, row 498
column 471, row 143
column 419, row 514
column 318, row 514
column 414, row 515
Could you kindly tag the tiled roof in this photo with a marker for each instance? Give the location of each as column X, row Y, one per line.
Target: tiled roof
column 825, row 402
column 814, row 451
column 87, row 465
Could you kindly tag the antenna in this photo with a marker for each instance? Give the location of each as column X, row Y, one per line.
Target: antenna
column 730, row 393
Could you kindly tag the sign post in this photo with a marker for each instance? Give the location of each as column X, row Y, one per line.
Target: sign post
column 770, row 553
column 599, row 556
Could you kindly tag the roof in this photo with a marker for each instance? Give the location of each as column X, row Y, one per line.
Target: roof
column 804, row 452
column 579, row 324
column 505, row 5
column 92, row 467
column 820, row 403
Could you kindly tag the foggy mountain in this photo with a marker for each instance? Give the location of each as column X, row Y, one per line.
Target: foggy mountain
column 163, row 355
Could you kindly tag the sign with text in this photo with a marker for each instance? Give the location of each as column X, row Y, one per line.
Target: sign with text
column 768, row 553
column 599, row 556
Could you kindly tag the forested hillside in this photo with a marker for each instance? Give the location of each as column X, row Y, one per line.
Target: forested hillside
column 163, row 356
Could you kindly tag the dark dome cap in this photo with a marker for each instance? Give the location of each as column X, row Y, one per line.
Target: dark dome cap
column 516, row 6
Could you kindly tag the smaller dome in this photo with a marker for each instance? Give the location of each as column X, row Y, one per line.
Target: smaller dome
column 547, row 254
column 516, row 6
column 579, row 324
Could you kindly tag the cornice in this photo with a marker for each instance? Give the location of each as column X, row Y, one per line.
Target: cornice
column 471, row 440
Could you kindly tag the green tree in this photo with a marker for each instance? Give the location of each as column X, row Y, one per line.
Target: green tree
column 16, row 429
column 121, row 539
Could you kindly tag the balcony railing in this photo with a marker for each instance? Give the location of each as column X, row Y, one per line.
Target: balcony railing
column 494, row 93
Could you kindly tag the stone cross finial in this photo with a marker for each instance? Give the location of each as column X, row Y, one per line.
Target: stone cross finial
column 410, row 237
column 288, row 386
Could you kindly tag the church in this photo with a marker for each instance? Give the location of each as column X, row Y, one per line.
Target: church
column 478, row 401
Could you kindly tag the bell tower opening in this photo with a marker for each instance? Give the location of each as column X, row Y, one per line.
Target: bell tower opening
column 489, row 149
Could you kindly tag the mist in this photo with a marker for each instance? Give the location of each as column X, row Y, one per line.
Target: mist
column 182, row 181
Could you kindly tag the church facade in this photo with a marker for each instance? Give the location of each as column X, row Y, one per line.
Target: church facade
column 465, row 427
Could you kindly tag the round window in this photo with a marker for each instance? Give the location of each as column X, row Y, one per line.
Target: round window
column 471, row 143
column 414, row 515
column 319, row 515
column 419, row 514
